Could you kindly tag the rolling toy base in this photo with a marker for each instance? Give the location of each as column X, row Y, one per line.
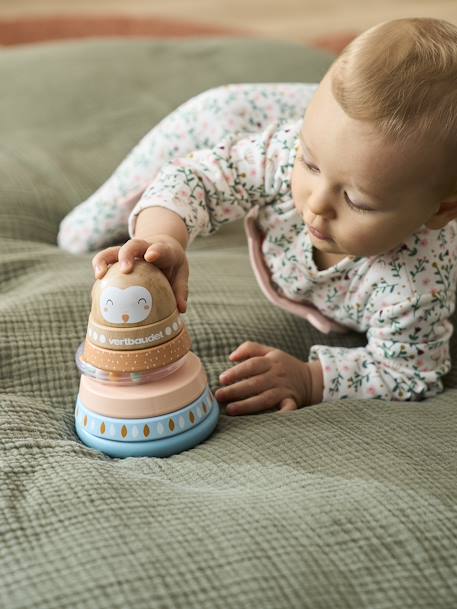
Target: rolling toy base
column 164, row 447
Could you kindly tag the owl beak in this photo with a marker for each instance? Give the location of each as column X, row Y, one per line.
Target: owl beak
column 125, row 318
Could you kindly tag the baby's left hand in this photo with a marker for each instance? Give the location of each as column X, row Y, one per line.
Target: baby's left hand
column 266, row 378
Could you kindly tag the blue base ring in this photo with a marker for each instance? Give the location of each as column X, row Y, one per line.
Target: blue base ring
column 153, row 448
column 161, row 426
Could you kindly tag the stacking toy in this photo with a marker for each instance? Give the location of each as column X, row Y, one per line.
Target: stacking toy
column 142, row 391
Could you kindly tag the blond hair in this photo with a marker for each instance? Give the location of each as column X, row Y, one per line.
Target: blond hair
column 401, row 75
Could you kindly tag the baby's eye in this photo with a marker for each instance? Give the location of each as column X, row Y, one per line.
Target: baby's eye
column 314, row 169
column 308, row 166
column 356, row 208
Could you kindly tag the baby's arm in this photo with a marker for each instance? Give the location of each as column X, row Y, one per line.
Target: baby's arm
column 153, row 222
column 405, row 359
column 197, row 194
column 406, row 356
column 211, row 187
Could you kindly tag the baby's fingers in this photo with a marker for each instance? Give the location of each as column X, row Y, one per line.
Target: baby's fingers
column 247, row 369
column 263, row 400
column 101, row 260
column 135, row 248
column 180, row 287
column 161, row 254
column 173, row 262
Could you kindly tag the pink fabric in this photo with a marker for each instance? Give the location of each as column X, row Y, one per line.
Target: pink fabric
column 306, row 311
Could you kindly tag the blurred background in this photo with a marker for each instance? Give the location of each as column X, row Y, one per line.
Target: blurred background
column 328, row 24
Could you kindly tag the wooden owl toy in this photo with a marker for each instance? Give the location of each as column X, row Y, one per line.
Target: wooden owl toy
column 142, row 391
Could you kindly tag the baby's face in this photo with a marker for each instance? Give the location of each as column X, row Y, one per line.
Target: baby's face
column 363, row 192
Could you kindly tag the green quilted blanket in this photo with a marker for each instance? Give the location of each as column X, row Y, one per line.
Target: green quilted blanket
column 346, row 504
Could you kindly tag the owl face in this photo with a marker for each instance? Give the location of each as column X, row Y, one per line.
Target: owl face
column 125, row 306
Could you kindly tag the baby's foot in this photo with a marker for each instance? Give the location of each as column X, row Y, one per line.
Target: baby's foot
column 95, row 223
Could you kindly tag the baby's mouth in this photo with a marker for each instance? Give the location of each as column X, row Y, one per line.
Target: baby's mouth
column 318, row 234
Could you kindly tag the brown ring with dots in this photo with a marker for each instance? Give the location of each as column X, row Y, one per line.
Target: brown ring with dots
column 126, row 338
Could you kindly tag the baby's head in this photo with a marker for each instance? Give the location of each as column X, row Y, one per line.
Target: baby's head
column 377, row 157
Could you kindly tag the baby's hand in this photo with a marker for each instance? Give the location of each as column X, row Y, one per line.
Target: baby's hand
column 266, row 378
column 163, row 251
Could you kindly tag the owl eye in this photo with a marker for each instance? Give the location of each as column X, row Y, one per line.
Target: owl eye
column 144, row 299
column 109, row 300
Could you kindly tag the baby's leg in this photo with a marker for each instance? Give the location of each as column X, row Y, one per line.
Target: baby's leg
column 198, row 123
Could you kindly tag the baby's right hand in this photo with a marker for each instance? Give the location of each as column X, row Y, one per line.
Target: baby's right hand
column 164, row 251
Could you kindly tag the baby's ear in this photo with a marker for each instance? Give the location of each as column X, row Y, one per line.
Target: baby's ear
column 447, row 211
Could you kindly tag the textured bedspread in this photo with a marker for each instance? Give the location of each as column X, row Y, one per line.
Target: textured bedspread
column 348, row 504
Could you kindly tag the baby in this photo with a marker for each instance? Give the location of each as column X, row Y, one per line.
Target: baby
column 349, row 210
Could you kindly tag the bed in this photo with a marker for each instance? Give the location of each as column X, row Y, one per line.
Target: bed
column 345, row 504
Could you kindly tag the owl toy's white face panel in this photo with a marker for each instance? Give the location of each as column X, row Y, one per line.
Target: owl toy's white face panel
column 125, row 306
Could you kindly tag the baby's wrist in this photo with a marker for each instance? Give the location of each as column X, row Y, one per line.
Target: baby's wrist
column 315, row 383
column 153, row 222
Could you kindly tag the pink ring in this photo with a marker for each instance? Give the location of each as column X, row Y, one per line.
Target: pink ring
column 149, row 399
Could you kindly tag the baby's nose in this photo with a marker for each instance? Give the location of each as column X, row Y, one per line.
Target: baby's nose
column 320, row 202
column 125, row 317
column 321, row 209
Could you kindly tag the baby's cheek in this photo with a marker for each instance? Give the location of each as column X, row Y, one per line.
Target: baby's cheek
column 367, row 242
